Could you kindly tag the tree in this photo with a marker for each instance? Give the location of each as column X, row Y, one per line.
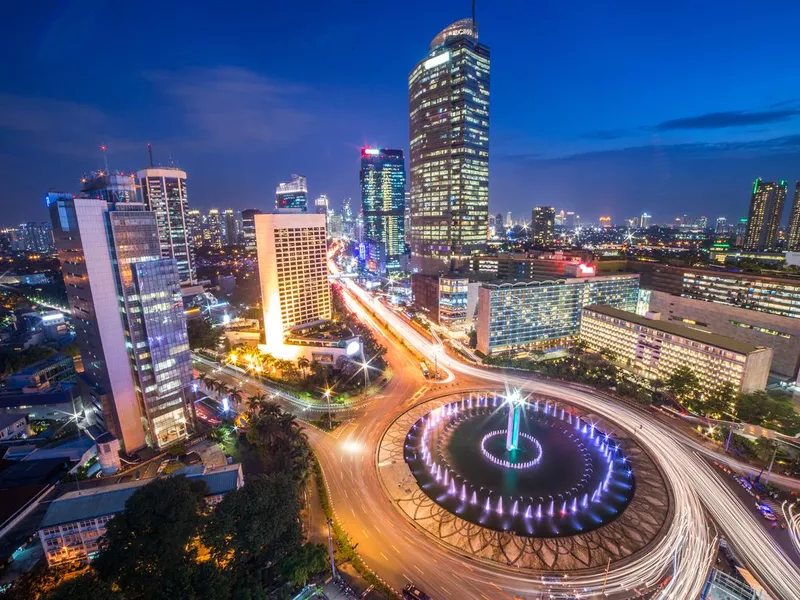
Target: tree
column 254, row 402
column 86, row 586
column 146, row 548
column 255, row 525
column 235, row 396
column 303, row 363
column 303, row 562
column 683, row 383
column 719, row 401
column 202, row 334
column 269, row 407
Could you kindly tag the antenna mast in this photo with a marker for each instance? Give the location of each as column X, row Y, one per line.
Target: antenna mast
column 105, row 158
column 150, row 151
column 474, row 23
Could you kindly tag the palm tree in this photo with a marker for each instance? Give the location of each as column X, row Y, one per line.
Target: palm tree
column 269, row 407
column 253, row 403
column 203, row 378
column 303, row 363
column 235, row 396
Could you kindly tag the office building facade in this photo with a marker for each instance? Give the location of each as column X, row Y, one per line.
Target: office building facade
column 212, row 232
column 292, row 195
column 292, row 257
column 126, row 308
column 163, row 192
column 249, row 227
column 194, row 227
column 449, row 150
column 764, row 218
column 543, row 226
column 545, row 314
column 654, row 349
column 111, row 187
column 230, row 227
column 383, row 200
column 793, row 241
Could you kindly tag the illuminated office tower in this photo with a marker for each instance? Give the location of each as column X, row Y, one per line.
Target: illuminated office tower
column 448, row 95
column 764, row 219
column 249, row 227
column 212, row 234
column 163, row 191
column 292, row 195
column 321, row 204
column 293, row 272
column 383, row 197
column 722, row 225
column 794, row 221
column 230, row 227
column 194, row 227
column 110, row 186
column 702, row 222
column 644, row 221
column 509, row 220
column 543, row 221
column 125, row 301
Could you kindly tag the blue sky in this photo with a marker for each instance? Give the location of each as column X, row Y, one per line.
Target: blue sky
column 600, row 107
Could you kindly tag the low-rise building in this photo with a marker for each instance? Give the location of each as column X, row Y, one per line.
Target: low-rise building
column 13, row 427
column 545, row 314
column 651, row 348
column 42, row 374
column 445, row 298
column 74, row 524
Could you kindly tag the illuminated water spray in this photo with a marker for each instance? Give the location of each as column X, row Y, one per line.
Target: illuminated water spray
column 515, row 403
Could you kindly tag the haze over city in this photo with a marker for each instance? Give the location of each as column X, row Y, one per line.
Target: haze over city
column 595, row 108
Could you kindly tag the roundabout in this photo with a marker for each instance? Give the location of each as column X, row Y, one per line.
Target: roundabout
column 531, row 482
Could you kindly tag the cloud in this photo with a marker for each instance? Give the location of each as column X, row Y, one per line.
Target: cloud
column 723, row 120
column 230, row 107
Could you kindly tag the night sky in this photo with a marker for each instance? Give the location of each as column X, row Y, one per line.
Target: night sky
column 611, row 107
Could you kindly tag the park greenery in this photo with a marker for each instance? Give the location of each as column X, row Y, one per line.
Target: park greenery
column 169, row 543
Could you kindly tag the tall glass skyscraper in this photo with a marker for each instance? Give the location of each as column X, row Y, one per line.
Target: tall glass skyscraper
column 764, row 219
column 126, row 307
column 794, row 221
column 448, row 94
column 383, row 201
column 111, row 187
column 293, row 194
column 163, row 191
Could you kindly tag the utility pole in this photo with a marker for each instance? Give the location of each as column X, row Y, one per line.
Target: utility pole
column 330, row 551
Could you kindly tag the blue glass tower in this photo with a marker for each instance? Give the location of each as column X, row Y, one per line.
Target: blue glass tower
column 383, row 202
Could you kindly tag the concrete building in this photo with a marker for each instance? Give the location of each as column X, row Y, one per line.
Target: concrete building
column 212, row 232
column 13, row 427
column 42, row 374
column 764, row 218
column 292, row 195
column 74, row 524
column 759, row 328
column 448, row 94
column 109, row 186
column 793, row 234
column 545, row 314
column 249, row 227
column 128, row 316
column 292, row 257
column 163, row 191
column 651, row 348
column 444, row 298
column 543, row 226
column 534, row 264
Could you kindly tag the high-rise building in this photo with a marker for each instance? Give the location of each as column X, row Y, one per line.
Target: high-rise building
column 383, row 197
column 125, row 300
column 163, row 191
column 292, row 195
column 230, row 227
column 644, row 220
column 321, row 204
column 561, row 218
column 293, row 271
column 721, row 226
column 448, row 95
column 509, row 220
column 212, row 233
column 35, row 237
column 249, row 227
column 111, row 187
column 764, row 219
column 543, row 225
column 194, row 227
column 702, row 222
column 794, row 221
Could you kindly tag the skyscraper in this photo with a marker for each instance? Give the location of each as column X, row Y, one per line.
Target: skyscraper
column 794, row 221
column 321, row 204
column 543, row 223
column 163, row 191
column 722, row 225
column 644, row 220
column 194, row 227
column 249, row 227
column 292, row 258
column 111, row 187
column 293, row 194
column 383, row 197
column 448, row 95
column 764, row 219
column 212, row 234
column 35, row 237
column 125, row 301
column 230, row 227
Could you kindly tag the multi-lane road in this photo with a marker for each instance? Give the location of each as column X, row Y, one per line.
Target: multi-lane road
column 674, row 567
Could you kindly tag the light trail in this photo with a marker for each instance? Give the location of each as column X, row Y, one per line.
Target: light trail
column 793, row 523
column 688, row 548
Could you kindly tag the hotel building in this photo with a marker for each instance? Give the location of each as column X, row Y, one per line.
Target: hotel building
column 292, row 256
column 546, row 313
column 448, row 96
column 125, row 301
column 654, row 349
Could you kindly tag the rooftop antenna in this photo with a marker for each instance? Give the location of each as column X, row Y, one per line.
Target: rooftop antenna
column 474, row 23
column 150, row 151
column 105, row 158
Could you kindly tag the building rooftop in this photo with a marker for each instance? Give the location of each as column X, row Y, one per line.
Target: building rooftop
column 9, row 419
column 111, row 499
column 711, row 339
column 548, row 279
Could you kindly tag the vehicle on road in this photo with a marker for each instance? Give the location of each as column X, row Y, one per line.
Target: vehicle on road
column 411, row 592
column 424, row 367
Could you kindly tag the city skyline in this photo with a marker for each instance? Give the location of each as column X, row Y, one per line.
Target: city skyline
column 710, row 146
